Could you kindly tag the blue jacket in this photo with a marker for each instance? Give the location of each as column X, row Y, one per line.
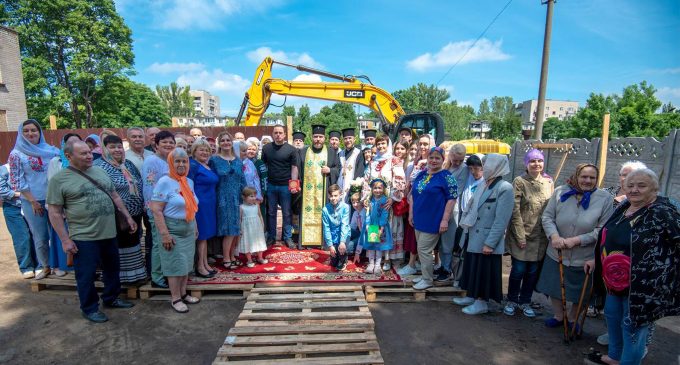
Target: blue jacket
column 335, row 222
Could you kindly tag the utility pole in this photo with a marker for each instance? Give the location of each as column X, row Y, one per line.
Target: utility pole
column 540, row 109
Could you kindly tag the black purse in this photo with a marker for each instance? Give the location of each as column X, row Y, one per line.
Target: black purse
column 121, row 221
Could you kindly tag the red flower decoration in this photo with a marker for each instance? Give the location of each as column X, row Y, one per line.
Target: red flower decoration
column 616, row 272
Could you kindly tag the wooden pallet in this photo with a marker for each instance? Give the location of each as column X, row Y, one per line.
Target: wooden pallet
column 303, row 325
column 204, row 291
column 68, row 283
column 408, row 294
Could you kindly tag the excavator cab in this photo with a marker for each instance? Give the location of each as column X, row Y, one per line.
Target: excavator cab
column 420, row 123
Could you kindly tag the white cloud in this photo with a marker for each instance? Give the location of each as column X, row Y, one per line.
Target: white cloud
column 206, row 14
column 215, row 81
column 669, row 94
column 295, row 58
column 665, row 71
column 307, row 78
column 171, row 67
column 484, row 51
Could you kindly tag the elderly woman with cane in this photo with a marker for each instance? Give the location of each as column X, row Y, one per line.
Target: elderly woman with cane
column 637, row 266
column 572, row 219
column 174, row 205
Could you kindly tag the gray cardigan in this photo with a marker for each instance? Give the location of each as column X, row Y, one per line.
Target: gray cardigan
column 569, row 220
column 493, row 217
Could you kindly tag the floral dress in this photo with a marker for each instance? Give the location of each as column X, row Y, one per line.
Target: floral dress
column 229, row 188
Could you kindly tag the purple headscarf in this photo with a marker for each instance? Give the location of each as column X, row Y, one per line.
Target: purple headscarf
column 534, row 154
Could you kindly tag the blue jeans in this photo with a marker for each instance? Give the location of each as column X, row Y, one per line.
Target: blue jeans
column 626, row 343
column 354, row 236
column 21, row 237
column 39, row 226
column 524, row 274
column 278, row 195
column 57, row 254
column 102, row 253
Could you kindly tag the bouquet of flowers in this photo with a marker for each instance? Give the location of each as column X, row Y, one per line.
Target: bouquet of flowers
column 356, row 185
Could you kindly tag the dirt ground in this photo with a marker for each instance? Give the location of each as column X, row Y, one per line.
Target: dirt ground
column 46, row 328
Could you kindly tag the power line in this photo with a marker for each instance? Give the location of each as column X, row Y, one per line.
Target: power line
column 476, row 40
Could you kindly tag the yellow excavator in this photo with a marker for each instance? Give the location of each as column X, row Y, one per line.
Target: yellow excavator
column 348, row 89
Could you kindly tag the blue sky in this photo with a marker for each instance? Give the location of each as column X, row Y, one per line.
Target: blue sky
column 597, row 46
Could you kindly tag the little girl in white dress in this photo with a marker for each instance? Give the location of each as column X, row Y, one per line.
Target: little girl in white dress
column 252, row 228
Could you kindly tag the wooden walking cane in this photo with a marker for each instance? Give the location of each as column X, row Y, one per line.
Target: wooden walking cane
column 580, row 309
column 564, row 299
column 585, row 313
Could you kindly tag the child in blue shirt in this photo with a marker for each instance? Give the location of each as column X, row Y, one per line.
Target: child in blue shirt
column 336, row 231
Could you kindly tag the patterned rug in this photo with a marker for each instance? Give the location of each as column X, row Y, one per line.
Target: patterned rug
column 288, row 265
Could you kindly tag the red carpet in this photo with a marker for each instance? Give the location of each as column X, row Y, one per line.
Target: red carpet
column 287, row 265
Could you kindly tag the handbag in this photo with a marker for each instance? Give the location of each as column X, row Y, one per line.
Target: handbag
column 121, row 221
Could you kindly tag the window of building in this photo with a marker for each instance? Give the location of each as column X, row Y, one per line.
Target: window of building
column 561, row 108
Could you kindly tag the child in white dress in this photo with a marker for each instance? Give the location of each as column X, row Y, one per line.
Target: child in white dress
column 252, row 228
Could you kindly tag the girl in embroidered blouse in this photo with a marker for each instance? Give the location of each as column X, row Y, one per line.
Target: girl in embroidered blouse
column 28, row 164
column 376, row 236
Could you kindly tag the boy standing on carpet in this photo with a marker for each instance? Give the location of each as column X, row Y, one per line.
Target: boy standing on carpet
column 336, row 231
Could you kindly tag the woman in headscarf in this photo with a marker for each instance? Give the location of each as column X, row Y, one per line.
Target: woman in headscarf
column 174, row 205
column 127, row 181
column 94, row 142
column 58, row 259
column 525, row 239
column 28, row 163
column 485, row 221
column 572, row 219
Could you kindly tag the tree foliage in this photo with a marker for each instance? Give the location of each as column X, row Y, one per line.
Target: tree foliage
column 176, row 100
column 127, row 103
column 70, row 49
column 505, row 124
column 421, row 98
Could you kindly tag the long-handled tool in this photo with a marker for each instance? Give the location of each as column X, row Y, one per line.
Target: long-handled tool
column 581, row 309
column 564, row 299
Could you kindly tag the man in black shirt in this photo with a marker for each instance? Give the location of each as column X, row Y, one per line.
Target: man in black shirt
column 281, row 159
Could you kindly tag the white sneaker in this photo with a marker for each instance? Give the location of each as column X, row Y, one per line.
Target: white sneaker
column 407, row 270
column 28, row 275
column 603, row 339
column 59, row 272
column 464, row 301
column 478, row 307
column 369, row 269
column 387, row 266
column 528, row 311
column 417, row 279
column 42, row 274
column 422, row 285
column 377, row 270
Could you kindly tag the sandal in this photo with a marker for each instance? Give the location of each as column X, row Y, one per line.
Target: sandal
column 188, row 299
column 179, row 306
column 594, row 357
column 234, row 265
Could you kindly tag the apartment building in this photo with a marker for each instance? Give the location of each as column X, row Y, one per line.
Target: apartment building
column 12, row 98
column 559, row 109
column 205, row 104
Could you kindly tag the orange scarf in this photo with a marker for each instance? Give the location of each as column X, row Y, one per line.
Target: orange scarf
column 184, row 189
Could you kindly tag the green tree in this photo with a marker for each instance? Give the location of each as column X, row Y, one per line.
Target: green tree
column 289, row 111
column 421, row 97
column 553, row 128
column 505, row 124
column 457, row 120
column 176, row 100
column 126, row 103
column 69, row 49
column 303, row 117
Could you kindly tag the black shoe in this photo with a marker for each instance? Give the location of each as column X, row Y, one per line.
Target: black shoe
column 443, row 276
column 209, row 275
column 163, row 285
column 96, row 317
column 119, row 303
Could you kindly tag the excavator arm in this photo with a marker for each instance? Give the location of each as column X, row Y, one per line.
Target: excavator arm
column 348, row 90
